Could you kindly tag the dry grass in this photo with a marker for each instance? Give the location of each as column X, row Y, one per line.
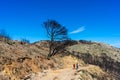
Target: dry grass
column 68, row 61
column 10, row 53
column 96, row 49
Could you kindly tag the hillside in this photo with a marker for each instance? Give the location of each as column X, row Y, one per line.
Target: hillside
column 17, row 59
column 103, row 55
column 23, row 61
column 96, row 49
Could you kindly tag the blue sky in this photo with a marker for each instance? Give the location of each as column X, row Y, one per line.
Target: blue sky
column 96, row 20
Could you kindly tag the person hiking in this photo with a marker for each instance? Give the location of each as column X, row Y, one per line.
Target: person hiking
column 76, row 66
column 73, row 66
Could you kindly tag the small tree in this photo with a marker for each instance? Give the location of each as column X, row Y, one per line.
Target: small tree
column 56, row 33
column 23, row 41
column 4, row 36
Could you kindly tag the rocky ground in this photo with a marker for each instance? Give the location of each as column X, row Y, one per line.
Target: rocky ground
column 23, row 61
column 83, row 73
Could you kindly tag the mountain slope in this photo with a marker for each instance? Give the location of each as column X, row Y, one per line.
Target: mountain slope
column 96, row 48
column 103, row 55
column 22, row 61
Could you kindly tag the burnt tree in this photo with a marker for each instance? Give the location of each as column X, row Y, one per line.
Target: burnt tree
column 57, row 35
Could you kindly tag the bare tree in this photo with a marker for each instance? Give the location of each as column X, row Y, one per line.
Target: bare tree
column 24, row 41
column 57, row 35
column 4, row 36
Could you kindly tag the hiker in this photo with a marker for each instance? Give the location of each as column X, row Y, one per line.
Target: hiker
column 73, row 66
column 76, row 66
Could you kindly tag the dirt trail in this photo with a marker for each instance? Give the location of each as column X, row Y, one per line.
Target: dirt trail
column 61, row 74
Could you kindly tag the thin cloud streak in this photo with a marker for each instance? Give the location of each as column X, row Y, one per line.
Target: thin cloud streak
column 81, row 29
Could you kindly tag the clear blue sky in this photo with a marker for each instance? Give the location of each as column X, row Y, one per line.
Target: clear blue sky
column 96, row 20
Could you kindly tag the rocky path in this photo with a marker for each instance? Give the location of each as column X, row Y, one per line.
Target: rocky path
column 61, row 74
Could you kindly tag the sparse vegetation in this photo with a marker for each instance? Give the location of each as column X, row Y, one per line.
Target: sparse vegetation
column 98, row 54
column 18, row 60
column 23, row 41
column 10, row 42
column 4, row 36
